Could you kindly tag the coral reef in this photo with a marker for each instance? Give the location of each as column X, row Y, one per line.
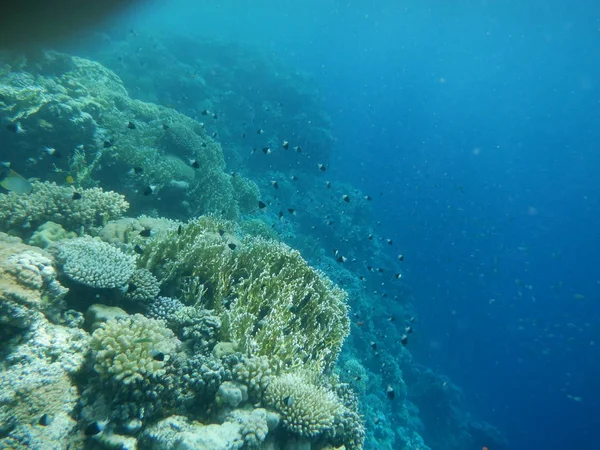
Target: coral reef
column 143, row 287
column 94, row 263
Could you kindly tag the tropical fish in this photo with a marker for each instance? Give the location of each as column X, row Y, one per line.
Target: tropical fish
column 12, row 181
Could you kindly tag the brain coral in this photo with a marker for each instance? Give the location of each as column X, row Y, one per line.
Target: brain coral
column 95, row 263
column 125, row 349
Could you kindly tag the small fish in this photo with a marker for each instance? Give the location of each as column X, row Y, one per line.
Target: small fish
column 274, row 184
column 380, row 269
column 52, row 152
column 373, row 345
column 157, row 356
column 404, row 339
column 391, row 319
column 292, row 211
column 266, row 150
column 107, row 144
column 135, row 171
column 408, row 329
column 346, row 198
column 139, row 250
column 370, row 237
column 165, row 126
column 243, row 135
column 328, row 184
column 44, row 420
column 389, row 241
column 368, row 198
column 261, row 204
column 15, row 128
column 260, row 131
column 341, row 259
column 69, row 179
column 215, row 116
column 288, row 400
column 322, row 167
column 204, row 143
column 362, row 278
column 12, row 181
column 400, row 257
column 397, row 276
column 76, row 196
column 298, row 149
column 146, row 232
column 294, row 178
column 179, row 230
column 285, row 145
column 335, row 251
column 95, row 428
column 358, row 378
column 280, row 215
column 389, row 391
column 214, row 135
column 131, row 287
column 221, row 232
column 131, row 125
column 232, row 246
column 194, row 163
column 149, row 190
column 204, row 112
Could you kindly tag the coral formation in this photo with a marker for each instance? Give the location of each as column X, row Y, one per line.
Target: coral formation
column 125, row 349
column 94, row 263
column 49, row 202
column 143, row 287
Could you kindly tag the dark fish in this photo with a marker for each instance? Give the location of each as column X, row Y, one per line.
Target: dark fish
column 390, row 392
column 328, row 184
column 288, row 400
column 341, row 259
column 374, row 345
column 221, row 232
column 389, row 241
column 139, row 250
column 260, row 131
column 285, row 145
column 215, row 116
column 165, row 126
column 146, row 232
column 322, row 167
column 243, row 135
column 76, row 196
column 368, row 198
column 53, row 152
column 204, row 143
column 231, row 245
column 214, row 135
column 157, row 356
column 131, row 287
column 294, row 178
column 15, row 128
column 261, row 204
column 266, row 150
column 274, row 184
column 204, row 112
column 44, row 420
column 392, row 319
column 136, row 170
column 380, row 270
column 361, row 278
column 346, row 198
column 408, row 329
column 179, row 229
column 107, row 144
column 149, row 190
column 131, row 125
column 280, row 214
column 370, row 237
column 94, row 428
column 398, row 276
column 292, row 211
column 400, row 257
column 404, row 339
column 195, row 164
column 298, row 149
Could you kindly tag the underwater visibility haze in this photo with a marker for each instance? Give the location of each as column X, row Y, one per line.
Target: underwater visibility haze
column 300, row 225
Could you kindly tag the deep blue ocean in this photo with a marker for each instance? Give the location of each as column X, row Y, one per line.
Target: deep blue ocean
column 475, row 127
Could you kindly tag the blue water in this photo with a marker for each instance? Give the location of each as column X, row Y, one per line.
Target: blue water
column 475, row 126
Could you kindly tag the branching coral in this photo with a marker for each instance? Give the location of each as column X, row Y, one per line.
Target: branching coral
column 49, row 202
column 269, row 300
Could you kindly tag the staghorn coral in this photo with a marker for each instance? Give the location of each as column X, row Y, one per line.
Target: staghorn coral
column 124, row 348
column 95, row 263
column 269, row 300
column 49, row 202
